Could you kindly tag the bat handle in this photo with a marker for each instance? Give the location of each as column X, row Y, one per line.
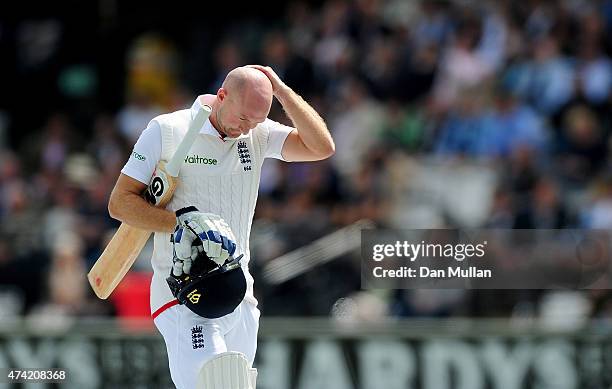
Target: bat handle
column 196, row 124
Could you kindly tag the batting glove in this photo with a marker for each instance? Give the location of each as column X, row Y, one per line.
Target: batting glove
column 198, row 232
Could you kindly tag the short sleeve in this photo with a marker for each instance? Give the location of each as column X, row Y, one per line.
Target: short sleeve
column 277, row 134
column 145, row 155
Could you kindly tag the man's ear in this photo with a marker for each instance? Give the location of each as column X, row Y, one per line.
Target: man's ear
column 221, row 94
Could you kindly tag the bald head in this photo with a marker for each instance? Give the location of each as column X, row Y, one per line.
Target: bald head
column 243, row 101
column 249, row 82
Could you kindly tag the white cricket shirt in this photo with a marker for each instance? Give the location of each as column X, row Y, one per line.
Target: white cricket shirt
column 219, row 176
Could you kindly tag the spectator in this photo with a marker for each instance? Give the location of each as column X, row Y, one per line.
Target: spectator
column 514, row 125
column 461, row 66
column 582, row 147
column 544, row 210
column 546, row 79
column 467, row 131
column 136, row 114
column 398, row 83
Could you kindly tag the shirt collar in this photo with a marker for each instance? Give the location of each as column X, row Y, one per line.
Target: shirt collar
column 208, row 128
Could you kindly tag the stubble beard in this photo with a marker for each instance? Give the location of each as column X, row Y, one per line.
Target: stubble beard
column 221, row 128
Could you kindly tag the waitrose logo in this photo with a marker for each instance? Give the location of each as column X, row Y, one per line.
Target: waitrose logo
column 197, row 159
column 139, row 157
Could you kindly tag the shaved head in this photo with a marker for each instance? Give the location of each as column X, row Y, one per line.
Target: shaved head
column 243, row 101
column 248, row 83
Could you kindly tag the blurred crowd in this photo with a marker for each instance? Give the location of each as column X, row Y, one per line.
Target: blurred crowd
column 445, row 113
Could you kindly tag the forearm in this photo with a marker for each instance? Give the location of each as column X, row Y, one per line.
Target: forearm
column 132, row 209
column 310, row 126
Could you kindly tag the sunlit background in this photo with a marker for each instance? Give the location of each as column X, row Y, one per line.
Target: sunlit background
column 445, row 114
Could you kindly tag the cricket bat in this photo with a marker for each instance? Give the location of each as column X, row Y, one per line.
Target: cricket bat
column 127, row 243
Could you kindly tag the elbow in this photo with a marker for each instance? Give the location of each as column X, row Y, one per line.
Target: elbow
column 329, row 150
column 113, row 208
column 324, row 152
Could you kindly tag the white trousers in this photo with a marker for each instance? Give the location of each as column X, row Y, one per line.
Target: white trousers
column 192, row 340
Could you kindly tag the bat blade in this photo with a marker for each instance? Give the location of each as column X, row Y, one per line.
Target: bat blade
column 127, row 243
column 116, row 259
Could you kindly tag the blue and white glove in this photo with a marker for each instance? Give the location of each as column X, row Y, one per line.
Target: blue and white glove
column 198, row 232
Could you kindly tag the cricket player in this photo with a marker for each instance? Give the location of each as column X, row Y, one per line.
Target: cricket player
column 212, row 211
